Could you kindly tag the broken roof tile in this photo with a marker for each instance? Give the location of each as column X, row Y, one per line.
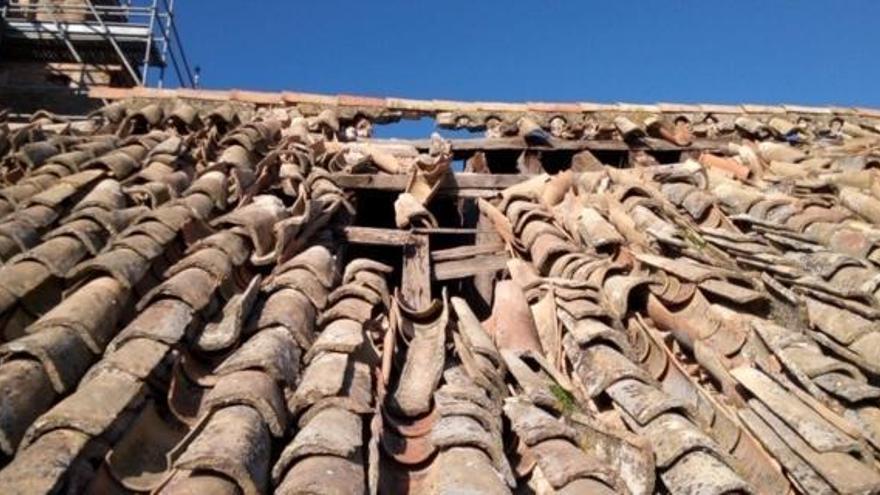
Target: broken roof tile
column 184, row 308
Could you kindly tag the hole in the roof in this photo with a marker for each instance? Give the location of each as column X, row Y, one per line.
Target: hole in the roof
column 613, row 158
column 380, row 212
column 556, row 161
column 420, row 128
column 502, row 161
column 462, row 133
column 405, row 129
column 667, row 157
column 446, row 210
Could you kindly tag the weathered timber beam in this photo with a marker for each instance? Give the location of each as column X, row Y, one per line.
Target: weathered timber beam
column 446, row 270
column 469, row 193
column 452, row 183
column 518, row 143
column 464, row 252
column 416, row 276
column 395, row 237
column 484, row 283
column 445, row 230
column 380, row 237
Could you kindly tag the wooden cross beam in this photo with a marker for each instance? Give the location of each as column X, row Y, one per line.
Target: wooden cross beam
column 472, row 145
column 416, row 275
column 379, row 237
column 462, row 184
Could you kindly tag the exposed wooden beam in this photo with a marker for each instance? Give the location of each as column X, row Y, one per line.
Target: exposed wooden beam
column 487, row 235
column 377, row 236
column 469, row 267
column 445, row 230
column 416, row 276
column 396, row 237
column 452, row 183
column 464, row 252
column 469, row 193
column 471, row 145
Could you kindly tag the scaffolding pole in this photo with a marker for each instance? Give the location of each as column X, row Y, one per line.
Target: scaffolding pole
column 150, row 43
column 122, row 56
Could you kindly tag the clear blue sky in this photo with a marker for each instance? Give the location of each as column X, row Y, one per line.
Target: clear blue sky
column 735, row 51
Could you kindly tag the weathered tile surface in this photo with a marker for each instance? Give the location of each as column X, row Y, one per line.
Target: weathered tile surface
column 184, row 308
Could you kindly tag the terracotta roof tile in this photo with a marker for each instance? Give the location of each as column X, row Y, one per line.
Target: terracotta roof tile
column 433, row 107
column 199, row 293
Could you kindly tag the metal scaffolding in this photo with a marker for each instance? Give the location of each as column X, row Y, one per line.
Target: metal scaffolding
column 141, row 37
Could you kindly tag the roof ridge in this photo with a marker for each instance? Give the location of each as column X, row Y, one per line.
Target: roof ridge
column 438, row 105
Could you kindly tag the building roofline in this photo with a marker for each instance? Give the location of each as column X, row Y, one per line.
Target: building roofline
column 433, row 107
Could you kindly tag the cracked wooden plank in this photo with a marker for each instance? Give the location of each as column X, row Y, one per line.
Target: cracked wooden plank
column 462, row 268
column 463, row 252
column 416, row 280
column 378, row 236
column 462, row 183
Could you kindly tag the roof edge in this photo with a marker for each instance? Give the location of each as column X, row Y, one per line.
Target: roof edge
column 433, row 107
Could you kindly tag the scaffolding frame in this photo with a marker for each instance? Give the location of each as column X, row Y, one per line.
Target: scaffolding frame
column 139, row 36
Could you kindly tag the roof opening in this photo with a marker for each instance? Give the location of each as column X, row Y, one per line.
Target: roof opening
column 405, row 129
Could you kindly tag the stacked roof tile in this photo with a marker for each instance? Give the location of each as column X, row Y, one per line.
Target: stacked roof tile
column 184, row 307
